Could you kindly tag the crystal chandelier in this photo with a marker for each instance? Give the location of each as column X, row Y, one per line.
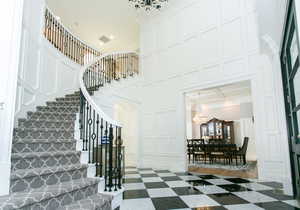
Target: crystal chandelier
column 147, row 4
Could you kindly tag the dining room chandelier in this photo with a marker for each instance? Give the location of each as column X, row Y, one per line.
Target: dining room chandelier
column 148, row 4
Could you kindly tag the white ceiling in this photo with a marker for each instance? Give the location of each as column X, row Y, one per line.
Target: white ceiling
column 220, row 95
column 91, row 19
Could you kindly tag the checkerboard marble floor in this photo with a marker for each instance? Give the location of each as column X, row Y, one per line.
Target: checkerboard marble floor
column 148, row 189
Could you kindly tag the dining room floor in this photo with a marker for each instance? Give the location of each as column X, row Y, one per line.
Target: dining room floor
column 149, row 189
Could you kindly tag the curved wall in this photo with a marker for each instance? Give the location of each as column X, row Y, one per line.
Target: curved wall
column 44, row 72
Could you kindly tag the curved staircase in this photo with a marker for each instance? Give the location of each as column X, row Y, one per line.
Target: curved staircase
column 46, row 172
column 53, row 168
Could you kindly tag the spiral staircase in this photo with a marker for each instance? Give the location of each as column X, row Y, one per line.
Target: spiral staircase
column 68, row 153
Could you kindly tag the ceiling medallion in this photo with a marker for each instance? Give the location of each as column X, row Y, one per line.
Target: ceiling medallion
column 148, row 4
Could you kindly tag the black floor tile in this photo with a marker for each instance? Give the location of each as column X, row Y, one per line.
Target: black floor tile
column 208, row 177
column 133, row 180
column 186, row 191
column 162, row 171
column 168, row 203
column 171, row 178
column 148, row 175
column 131, row 172
column 272, row 184
column 183, row 173
column 238, row 180
column 277, row 194
column 151, row 185
column 144, row 169
column 227, row 199
column 198, row 182
column 133, row 194
column 210, row 208
column 277, row 205
column 234, row 188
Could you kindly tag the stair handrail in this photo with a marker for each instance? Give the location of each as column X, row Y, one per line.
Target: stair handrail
column 88, row 96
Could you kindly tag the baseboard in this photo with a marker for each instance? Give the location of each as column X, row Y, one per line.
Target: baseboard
column 4, row 178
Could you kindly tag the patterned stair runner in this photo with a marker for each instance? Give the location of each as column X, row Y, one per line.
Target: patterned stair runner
column 46, row 172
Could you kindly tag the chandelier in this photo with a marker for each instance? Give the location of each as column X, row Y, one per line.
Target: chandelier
column 147, row 4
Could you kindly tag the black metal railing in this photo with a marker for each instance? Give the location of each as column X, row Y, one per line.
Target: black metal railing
column 68, row 44
column 101, row 136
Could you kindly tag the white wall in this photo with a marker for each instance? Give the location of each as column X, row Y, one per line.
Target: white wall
column 127, row 114
column 201, row 44
column 44, row 72
column 120, row 100
column 10, row 38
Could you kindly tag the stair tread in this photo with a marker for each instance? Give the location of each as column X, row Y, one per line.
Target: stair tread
column 46, row 120
column 23, row 173
column 25, row 198
column 42, row 154
column 28, row 141
column 47, row 112
column 43, row 129
column 97, row 201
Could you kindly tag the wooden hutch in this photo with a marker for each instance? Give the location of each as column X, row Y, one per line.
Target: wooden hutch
column 216, row 129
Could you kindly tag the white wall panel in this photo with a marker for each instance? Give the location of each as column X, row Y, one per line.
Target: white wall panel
column 208, row 50
column 232, row 39
column 231, row 9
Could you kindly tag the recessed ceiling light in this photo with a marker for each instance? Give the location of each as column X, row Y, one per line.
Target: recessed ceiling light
column 111, row 37
column 101, row 43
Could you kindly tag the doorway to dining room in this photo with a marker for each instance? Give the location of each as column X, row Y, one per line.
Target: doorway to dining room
column 220, row 130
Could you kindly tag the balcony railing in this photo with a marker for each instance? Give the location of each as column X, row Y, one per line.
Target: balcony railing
column 100, row 134
column 63, row 40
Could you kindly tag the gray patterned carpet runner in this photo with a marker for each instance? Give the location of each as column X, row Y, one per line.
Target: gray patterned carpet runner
column 45, row 167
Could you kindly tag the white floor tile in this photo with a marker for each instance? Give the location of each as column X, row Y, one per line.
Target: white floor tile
column 166, row 174
column 194, row 201
column 177, row 184
column 218, row 181
column 294, row 203
column 256, row 186
column 254, row 197
column 189, row 178
column 147, row 172
column 243, row 207
column 134, row 186
column 130, row 169
column 211, row 189
column 161, row 192
column 137, row 204
column 130, row 176
column 152, row 179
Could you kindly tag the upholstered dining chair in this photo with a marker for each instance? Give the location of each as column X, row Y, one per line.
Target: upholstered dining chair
column 241, row 153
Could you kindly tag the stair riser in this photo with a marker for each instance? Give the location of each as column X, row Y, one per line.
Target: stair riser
column 34, row 182
column 43, row 147
column 72, row 96
column 51, row 116
column 44, row 124
column 31, row 134
column 62, row 200
column 63, row 109
column 65, row 103
column 42, row 162
column 68, row 99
